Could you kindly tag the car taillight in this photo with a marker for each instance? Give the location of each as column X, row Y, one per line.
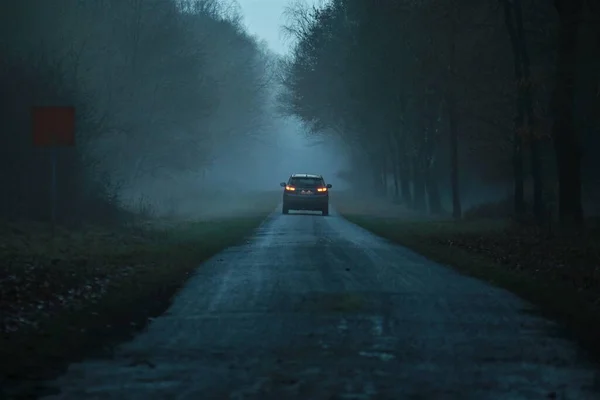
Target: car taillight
column 290, row 188
column 322, row 189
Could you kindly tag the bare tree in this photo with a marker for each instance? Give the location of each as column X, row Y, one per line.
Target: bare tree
column 566, row 140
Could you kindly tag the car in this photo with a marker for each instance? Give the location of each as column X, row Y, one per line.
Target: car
column 305, row 192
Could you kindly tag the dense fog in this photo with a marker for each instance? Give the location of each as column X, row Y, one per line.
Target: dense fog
column 176, row 103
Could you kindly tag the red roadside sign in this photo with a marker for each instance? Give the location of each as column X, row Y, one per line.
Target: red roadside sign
column 53, row 126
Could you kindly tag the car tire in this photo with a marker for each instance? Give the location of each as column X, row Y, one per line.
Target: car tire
column 285, row 210
column 325, row 211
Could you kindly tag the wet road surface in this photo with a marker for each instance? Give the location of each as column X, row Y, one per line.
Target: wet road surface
column 315, row 307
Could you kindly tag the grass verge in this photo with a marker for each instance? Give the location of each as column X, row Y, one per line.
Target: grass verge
column 560, row 275
column 94, row 288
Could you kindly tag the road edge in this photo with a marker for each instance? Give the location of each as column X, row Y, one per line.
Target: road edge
column 109, row 331
column 578, row 322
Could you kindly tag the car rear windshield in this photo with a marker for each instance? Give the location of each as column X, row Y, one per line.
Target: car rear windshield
column 307, row 182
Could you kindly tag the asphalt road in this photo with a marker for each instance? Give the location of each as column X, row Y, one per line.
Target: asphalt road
column 317, row 308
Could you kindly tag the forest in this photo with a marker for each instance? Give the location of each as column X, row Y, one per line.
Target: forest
column 465, row 133
column 442, row 105
column 165, row 93
column 161, row 89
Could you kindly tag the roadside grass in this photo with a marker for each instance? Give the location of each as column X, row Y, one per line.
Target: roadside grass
column 560, row 274
column 88, row 290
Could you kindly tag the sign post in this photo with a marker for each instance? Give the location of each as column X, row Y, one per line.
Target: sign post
column 53, row 127
column 53, row 188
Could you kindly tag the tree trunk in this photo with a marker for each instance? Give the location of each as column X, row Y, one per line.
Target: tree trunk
column 518, row 177
column 405, row 184
column 566, row 142
column 396, row 182
column 419, row 198
column 454, row 176
column 433, row 194
column 519, row 180
column 526, row 97
column 377, row 181
column 453, row 125
column 538, row 183
column 384, row 175
column 429, row 156
column 394, row 164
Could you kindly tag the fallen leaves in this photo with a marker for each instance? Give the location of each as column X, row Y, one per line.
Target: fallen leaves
column 42, row 275
column 566, row 259
column 35, row 288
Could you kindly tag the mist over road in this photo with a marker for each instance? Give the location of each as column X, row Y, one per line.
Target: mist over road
column 315, row 307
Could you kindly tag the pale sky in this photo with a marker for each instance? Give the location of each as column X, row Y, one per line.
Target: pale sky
column 264, row 19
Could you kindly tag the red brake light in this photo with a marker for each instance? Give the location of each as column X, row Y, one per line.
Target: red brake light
column 290, row 188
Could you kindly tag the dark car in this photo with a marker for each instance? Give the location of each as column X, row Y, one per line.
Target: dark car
column 306, row 192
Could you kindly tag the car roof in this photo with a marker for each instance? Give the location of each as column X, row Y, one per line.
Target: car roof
column 306, row 176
